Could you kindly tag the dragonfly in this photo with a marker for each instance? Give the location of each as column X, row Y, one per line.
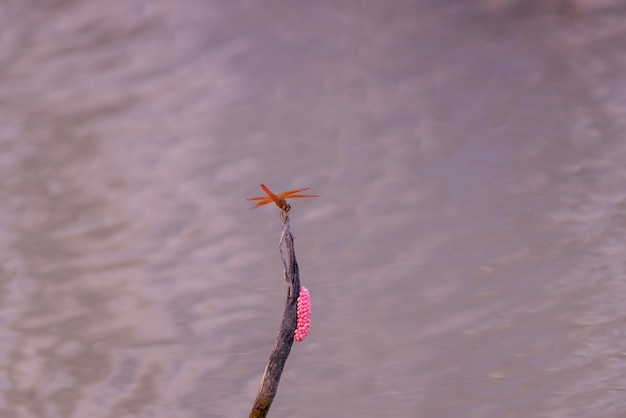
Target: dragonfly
column 279, row 199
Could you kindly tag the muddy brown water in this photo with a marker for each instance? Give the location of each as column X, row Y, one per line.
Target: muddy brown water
column 465, row 256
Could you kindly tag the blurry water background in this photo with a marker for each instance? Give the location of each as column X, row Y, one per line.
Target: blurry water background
column 466, row 257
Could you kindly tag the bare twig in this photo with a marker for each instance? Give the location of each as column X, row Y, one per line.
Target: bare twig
column 284, row 339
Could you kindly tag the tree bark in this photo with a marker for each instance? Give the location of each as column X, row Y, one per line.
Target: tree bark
column 284, row 339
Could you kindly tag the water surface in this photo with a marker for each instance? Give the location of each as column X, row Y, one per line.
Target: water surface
column 465, row 258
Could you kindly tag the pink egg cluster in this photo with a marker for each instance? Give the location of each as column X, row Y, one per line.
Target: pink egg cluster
column 303, row 325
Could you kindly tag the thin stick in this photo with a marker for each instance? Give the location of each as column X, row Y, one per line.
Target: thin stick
column 284, row 216
column 284, row 339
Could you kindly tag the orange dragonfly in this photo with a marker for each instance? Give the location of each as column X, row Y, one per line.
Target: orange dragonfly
column 279, row 199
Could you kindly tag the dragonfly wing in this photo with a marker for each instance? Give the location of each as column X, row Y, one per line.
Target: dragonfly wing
column 269, row 193
column 303, row 195
column 290, row 192
column 262, row 203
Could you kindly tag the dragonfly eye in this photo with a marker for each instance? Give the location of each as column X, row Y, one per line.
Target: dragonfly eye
column 287, row 207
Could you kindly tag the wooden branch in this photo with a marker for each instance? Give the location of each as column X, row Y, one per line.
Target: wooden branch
column 284, row 339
